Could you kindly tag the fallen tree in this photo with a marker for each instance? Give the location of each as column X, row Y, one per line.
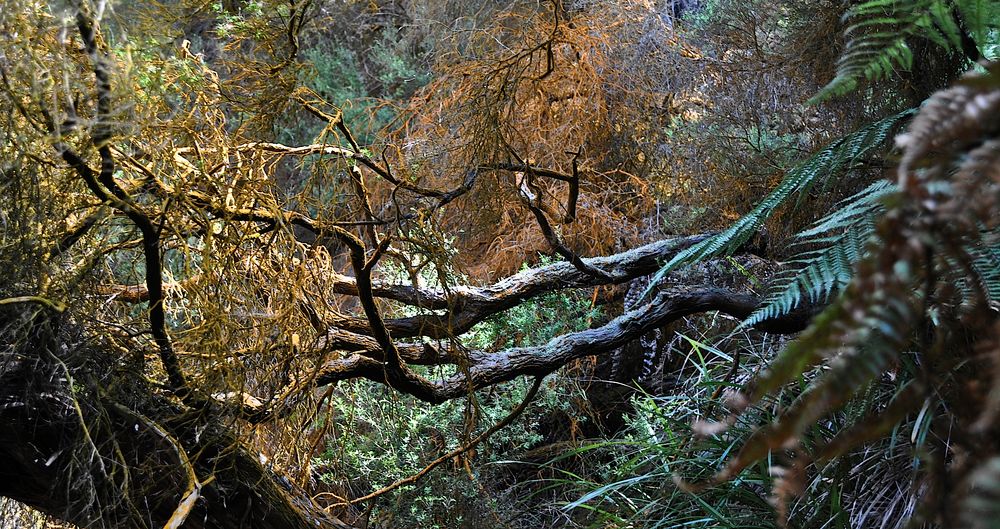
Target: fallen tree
column 84, row 432
column 162, row 297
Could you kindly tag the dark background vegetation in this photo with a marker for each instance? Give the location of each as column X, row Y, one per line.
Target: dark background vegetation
column 768, row 126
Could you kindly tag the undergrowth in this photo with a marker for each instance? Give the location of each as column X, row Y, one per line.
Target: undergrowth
column 387, row 436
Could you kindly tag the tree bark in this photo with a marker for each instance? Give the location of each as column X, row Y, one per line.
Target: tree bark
column 487, row 369
column 87, row 439
column 78, row 442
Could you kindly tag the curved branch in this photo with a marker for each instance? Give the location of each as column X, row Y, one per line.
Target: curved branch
column 532, row 199
column 489, row 369
column 466, row 306
column 103, row 185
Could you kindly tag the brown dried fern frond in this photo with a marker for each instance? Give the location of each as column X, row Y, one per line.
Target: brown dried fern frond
column 951, row 121
column 911, row 295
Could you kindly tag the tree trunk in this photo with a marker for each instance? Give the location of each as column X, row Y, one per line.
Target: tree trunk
column 83, row 443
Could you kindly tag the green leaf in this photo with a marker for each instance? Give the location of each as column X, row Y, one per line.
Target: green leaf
column 833, row 245
column 877, row 32
column 835, row 159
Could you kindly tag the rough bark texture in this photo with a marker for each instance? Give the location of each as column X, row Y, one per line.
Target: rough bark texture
column 79, row 442
column 464, row 306
column 80, row 428
column 488, row 369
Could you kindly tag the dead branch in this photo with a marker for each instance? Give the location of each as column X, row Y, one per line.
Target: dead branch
column 490, row 369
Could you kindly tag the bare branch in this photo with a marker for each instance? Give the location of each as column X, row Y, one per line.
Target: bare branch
column 490, row 369
column 103, row 185
column 466, row 306
column 503, row 423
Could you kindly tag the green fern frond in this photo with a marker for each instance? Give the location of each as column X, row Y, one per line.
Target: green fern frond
column 877, row 424
column 877, row 33
column 979, row 16
column 833, row 160
column 876, row 309
column 841, row 236
column 856, row 359
column 941, row 217
column 848, row 211
column 984, row 264
column 987, row 264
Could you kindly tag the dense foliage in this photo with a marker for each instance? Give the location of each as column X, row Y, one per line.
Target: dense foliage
column 431, row 263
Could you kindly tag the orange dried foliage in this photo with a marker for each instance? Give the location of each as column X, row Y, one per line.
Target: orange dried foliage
column 538, row 87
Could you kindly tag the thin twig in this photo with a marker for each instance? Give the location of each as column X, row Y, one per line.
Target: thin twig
column 514, row 414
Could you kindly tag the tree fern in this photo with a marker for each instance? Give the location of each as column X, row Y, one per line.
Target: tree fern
column 907, row 311
column 870, row 351
column 981, row 508
column 977, row 271
column 878, row 30
column 832, row 161
column 979, row 16
column 986, row 264
column 837, row 242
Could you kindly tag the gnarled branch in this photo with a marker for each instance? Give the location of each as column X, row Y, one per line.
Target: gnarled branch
column 488, row 369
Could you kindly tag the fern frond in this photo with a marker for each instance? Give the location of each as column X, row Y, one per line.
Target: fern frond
column 841, row 236
column 954, row 119
column 936, row 221
column 877, row 31
column 857, row 356
column 986, row 264
column 978, row 16
column 976, row 273
column 981, row 508
column 833, row 160
column 939, row 232
column 877, row 424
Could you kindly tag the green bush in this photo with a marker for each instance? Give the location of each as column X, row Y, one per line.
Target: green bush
column 389, row 436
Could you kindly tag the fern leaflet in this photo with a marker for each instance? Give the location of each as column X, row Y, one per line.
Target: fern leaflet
column 877, row 32
column 839, row 156
column 813, row 274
